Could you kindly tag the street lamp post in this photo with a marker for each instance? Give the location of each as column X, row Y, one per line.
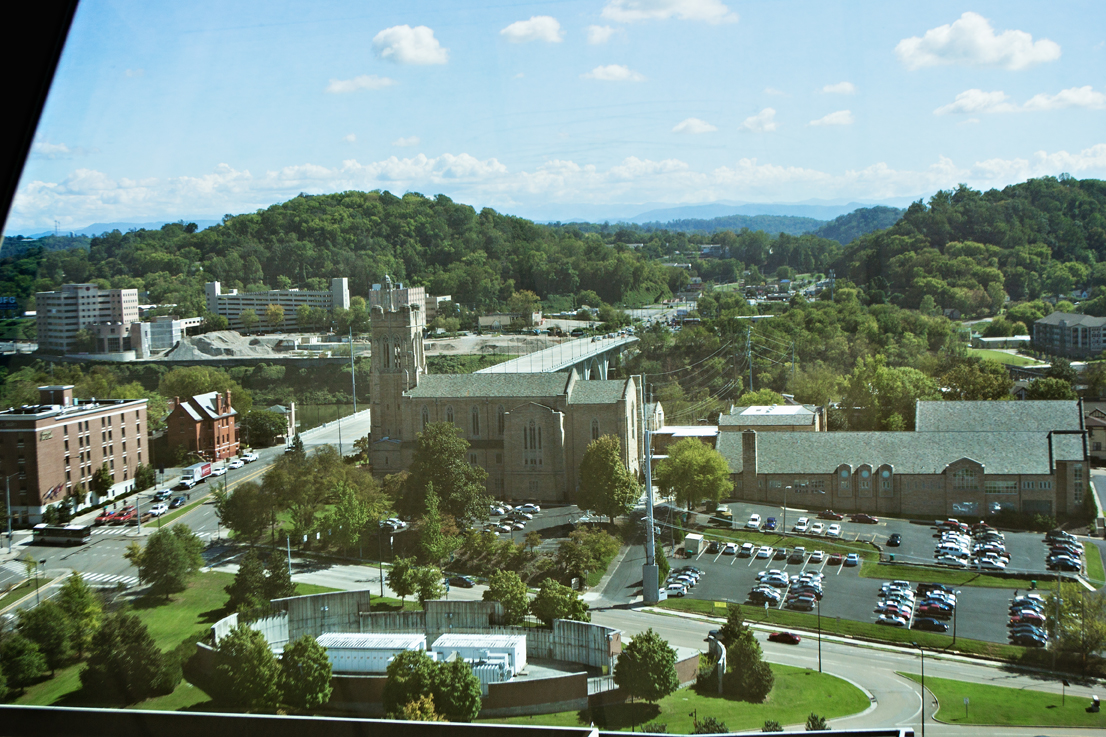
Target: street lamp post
column 43, row 564
column 380, row 555
column 783, row 529
column 818, row 605
column 923, row 652
column 8, row 506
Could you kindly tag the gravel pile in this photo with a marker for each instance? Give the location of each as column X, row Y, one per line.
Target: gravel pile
column 221, row 344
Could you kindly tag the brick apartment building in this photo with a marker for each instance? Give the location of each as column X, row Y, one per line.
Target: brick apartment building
column 50, row 450
column 205, row 425
column 1069, row 334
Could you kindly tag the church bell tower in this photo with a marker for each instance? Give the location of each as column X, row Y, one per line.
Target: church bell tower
column 398, row 358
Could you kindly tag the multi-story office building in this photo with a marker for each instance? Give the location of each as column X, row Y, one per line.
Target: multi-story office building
column 75, row 307
column 232, row 304
column 1069, row 334
column 50, row 451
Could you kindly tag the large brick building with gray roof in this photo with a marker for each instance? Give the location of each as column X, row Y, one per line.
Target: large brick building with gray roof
column 1070, row 334
column 964, row 458
column 529, row 431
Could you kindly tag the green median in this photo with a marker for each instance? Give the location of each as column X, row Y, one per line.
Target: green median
column 1004, row 706
column 949, row 576
column 867, row 551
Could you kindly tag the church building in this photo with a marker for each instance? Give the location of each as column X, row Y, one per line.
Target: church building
column 529, row 431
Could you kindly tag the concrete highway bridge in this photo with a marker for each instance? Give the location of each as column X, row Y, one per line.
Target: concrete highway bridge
column 588, row 357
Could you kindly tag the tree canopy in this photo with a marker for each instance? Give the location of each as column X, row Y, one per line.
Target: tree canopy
column 441, row 463
column 646, row 668
column 606, row 485
column 694, row 472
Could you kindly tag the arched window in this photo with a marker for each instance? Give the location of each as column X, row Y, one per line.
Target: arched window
column 501, row 419
column 397, row 351
column 531, row 445
column 594, row 429
column 425, row 416
column 449, row 414
column 475, row 422
column 386, row 352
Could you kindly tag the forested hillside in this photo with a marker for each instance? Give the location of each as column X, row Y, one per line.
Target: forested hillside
column 773, row 224
column 846, row 228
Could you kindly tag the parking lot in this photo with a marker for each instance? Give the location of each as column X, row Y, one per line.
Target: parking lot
column 980, row 612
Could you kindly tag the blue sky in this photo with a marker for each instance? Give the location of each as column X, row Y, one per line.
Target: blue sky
column 162, row 111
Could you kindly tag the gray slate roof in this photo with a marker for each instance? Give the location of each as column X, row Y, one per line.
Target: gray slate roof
column 1009, row 416
column 598, row 392
column 206, row 402
column 1071, row 319
column 766, row 420
column 906, row 452
column 449, row 386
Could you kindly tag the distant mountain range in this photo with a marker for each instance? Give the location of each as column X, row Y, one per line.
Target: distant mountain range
column 101, row 228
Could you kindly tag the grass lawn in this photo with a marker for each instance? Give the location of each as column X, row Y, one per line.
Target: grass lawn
column 1001, row 356
column 1094, row 565
column 797, row 692
column 1000, row 705
column 784, row 618
column 21, row 590
column 950, row 576
column 827, row 545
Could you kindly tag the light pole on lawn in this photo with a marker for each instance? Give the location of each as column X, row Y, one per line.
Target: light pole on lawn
column 37, row 564
column 818, row 605
column 783, row 527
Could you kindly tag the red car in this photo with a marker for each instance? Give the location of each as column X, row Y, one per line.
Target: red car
column 1027, row 618
column 787, row 638
column 830, row 514
column 865, row 518
column 105, row 517
column 125, row 516
column 836, row 559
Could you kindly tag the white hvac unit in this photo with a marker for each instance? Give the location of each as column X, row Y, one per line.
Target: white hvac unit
column 367, row 653
column 485, row 648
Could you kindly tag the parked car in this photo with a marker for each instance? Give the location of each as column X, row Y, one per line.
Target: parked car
column 753, row 523
column 218, row 470
column 461, row 582
column 817, row 528
column 834, row 530
column 770, row 523
column 159, row 509
column 714, row 547
column 895, row 540
column 929, row 624
column 780, row 554
column 817, row 556
column 802, row 603
column 788, row 638
column 891, row 620
column 249, row 456
column 675, row 589
column 178, row 501
column 866, row 519
column 764, row 552
column 836, row 559
column 802, row 525
column 746, row 550
column 1026, row 639
column 831, row 515
column 730, row 549
column 852, row 559
column 104, row 517
column 236, row 463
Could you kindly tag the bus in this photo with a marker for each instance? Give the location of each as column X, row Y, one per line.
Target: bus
column 45, row 534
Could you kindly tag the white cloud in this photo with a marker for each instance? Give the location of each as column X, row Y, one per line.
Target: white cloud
column 977, row 101
column 87, row 195
column 628, row 11
column 364, row 82
column 407, row 45
column 1074, row 97
column 135, row 72
column 613, row 73
column 599, row 34
column 971, row 41
column 774, row 91
column 841, row 117
column 762, row 122
column 538, row 28
column 841, row 88
column 408, row 141
column 694, row 126
column 351, row 138
column 49, row 150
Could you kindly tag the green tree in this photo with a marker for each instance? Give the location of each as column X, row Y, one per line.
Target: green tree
column 694, row 472
column 816, row 723
column 245, row 511
column 278, row 584
column 274, row 316
column 171, row 555
column 1048, row 387
column 249, row 319
column 508, row 589
column 421, row 709
column 47, row 626
column 759, row 398
column 102, row 481
column 83, row 609
column 525, row 303
column 305, row 674
column 145, row 476
column 124, row 665
column 352, row 514
column 401, row 579
column 305, row 317
column 646, row 669
column 433, row 544
column 247, row 674
column 606, row 485
column 976, row 380
column 771, row 725
column 264, row 427
column 83, row 342
column 457, row 691
column 586, row 551
column 213, row 323
column 21, row 661
column 428, row 584
column 710, row 725
column 557, row 601
column 189, row 381
column 747, row 677
column 247, row 590
column 1080, row 632
column 735, row 626
column 410, row 675
column 883, row 392
column 440, row 461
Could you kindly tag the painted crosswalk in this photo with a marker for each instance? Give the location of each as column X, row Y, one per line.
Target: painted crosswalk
column 106, row 579
column 15, row 567
column 111, row 530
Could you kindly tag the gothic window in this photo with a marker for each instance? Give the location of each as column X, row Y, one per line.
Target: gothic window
column 475, row 422
column 595, row 429
column 449, row 414
column 531, row 445
column 397, row 351
column 387, row 354
column 964, row 479
column 501, row 418
column 425, row 417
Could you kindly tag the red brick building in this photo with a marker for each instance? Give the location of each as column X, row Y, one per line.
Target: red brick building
column 205, row 425
column 49, row 451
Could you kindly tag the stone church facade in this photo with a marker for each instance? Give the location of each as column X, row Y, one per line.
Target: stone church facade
column 529, row 431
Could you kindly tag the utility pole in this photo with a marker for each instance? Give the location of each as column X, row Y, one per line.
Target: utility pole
column 353, row 370
column 8, row 506
column 749, row 354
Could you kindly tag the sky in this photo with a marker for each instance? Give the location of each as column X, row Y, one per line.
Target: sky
column 555, row 110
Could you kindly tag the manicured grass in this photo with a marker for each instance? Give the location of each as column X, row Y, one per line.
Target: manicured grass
column 1000, row 705
column 784, row 618
column 21, row 590
column 1001, row 356
column 188, row 613
column 950, row 576
column 306, row 589
column 184, row 696
column 1095, row 573
column 797, row 692
column 826, row 544
column 594, row 577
